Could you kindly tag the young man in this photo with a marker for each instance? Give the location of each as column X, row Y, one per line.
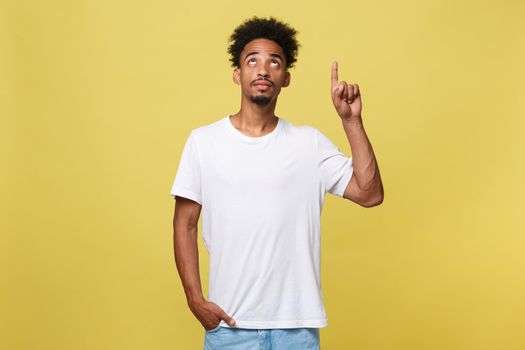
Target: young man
column 261, row 182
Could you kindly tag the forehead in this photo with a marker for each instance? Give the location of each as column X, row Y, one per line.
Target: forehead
column 262, row 46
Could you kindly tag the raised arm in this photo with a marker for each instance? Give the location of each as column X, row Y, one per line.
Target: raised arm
column 365, row 187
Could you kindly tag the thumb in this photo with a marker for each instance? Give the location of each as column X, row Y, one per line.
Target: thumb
column 227, row 318
column 338, row 92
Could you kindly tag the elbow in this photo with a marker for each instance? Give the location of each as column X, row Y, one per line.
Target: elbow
column 371, row 204
column 375, row 200
column 374, row 203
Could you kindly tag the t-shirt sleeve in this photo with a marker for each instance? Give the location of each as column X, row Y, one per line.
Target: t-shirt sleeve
column 335, row 168
column 187, row 181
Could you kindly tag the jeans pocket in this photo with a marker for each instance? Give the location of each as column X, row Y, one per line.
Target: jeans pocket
column 213, row 329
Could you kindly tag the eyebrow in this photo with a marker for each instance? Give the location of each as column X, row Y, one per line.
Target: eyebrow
column 256, row 52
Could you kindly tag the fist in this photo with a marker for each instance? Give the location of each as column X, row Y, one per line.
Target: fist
column 346, row 97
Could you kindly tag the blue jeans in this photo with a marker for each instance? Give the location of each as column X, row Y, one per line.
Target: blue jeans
column 225, row 338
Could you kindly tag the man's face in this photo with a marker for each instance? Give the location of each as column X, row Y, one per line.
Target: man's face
column 262, row 71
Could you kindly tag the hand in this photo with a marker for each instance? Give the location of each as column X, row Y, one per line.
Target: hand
column 346, row 97
column 210, row 314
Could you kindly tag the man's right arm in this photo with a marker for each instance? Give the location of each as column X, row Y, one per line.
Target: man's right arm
column 185, row 233
column 185, row 244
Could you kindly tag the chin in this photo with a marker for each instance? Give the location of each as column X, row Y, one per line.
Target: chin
column 261, row 100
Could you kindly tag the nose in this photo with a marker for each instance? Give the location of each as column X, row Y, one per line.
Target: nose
column 263, row 71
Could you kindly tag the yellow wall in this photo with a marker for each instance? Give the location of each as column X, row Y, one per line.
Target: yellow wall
column 98, row 96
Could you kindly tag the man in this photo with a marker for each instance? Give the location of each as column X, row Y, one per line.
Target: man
column 260, row 182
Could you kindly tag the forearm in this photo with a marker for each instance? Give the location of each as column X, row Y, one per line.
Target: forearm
column 187, row 260
column 364, row 162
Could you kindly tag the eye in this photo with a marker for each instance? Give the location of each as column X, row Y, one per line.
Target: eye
column 251, row 60
column 275, row 63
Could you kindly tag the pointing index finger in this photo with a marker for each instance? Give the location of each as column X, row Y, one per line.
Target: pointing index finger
column 335, row 77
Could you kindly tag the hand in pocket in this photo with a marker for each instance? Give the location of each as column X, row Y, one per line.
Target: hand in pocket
column 210, row 314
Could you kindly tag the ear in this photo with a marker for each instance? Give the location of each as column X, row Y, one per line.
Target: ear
column 236, row 76
column 287, row 78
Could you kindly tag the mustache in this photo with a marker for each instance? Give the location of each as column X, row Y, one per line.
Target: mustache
column 262, row 79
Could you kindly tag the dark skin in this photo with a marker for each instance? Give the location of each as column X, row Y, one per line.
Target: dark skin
column 185, row 233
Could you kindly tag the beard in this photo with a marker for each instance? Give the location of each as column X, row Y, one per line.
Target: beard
column 261, row 100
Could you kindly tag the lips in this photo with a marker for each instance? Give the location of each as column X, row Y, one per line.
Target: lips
column 262, row 82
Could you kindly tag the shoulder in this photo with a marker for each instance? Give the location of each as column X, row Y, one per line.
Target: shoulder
column 304, row 130
column 310, row 134
column 207, row 130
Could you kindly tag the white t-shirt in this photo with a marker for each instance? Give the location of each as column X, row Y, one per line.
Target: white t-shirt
column 261, row 203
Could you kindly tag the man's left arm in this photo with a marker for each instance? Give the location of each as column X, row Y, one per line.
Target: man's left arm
column 365, row 187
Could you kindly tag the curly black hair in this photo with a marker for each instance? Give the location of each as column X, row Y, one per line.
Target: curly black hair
column 263, row 28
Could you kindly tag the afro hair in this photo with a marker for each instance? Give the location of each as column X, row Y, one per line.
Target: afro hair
column 263, row 28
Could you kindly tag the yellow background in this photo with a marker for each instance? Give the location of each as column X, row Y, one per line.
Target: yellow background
column 98, row 98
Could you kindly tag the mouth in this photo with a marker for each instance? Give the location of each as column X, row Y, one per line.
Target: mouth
column 262, row 83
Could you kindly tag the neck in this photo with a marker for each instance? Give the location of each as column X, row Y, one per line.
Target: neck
column 254, row 119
